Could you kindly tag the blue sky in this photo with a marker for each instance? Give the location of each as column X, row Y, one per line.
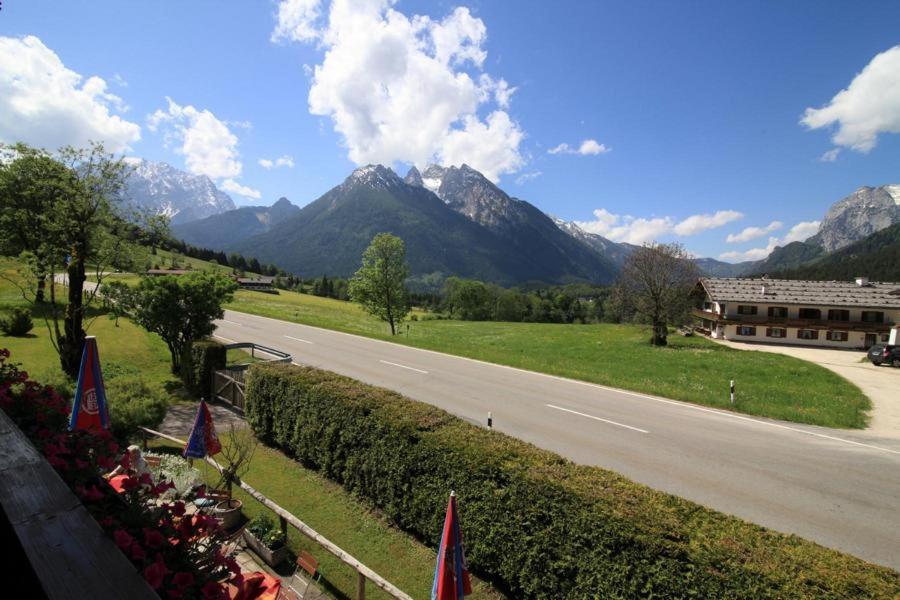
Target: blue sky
column 692, row 110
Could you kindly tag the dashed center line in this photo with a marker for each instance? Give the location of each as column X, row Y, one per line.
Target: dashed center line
column 403, row 366
column 581, row 414
column 296, row 339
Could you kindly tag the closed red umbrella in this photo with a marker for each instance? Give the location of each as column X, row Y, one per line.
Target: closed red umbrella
column 451, row 573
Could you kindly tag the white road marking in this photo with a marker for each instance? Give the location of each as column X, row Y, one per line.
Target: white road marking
column 298, row 339
column 403, row 366
column 581, row 414
column 232, row 322
column 678, row 403
column 230, row 341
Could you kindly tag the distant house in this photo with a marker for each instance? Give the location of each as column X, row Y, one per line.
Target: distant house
column 259, row 283
column 843, row 314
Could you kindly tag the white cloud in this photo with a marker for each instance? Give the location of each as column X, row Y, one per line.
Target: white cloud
column 295, row 21
column 633, row 230
column 831, row 155
column 798, row 233
column 526, row 177
column 868, row 107
column 230, row 185
column 47, row 105
column 587, row 147
column 283, row 161
column 698, row 223
column 398, row 88
column 751, row 233
column 209, row 147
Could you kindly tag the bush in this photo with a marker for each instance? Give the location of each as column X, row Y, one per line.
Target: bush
column 17, row 323
column 197, row 367
column 134, row 403
column 534, row 523
column 263, row 527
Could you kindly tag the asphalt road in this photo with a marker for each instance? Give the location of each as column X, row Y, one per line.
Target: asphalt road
column 838, row 488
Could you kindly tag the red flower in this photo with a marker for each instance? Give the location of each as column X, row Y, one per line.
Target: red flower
column 130, row 484
column 92, row 494
column 156, row 572
column 153, row 538
column 123, row 539
column 214, row 591
column 178, row 509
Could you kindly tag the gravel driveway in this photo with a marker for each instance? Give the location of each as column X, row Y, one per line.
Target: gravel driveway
column 880, row 384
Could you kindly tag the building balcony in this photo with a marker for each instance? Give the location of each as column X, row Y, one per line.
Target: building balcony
column 792, row 322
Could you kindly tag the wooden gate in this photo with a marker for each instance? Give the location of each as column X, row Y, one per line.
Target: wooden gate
column 228, row 386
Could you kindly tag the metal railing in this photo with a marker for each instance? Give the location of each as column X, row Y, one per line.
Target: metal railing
column 286, row 519
column 278, row 355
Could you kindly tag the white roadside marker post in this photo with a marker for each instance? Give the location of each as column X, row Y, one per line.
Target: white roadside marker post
column 490, row 421
column 732, row 391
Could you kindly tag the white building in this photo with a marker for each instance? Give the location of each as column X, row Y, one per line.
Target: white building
column 843, row 314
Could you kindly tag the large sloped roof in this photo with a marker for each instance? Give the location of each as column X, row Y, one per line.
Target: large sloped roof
column 876, row 294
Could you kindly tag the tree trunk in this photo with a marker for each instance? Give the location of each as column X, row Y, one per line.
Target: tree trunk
column 660, row 333
column 72, row 343
column 41, row 285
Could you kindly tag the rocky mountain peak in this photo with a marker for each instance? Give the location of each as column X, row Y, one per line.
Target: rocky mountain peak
column 374, row 176
column 161, row 188
column 413, row 177
column 862, row 213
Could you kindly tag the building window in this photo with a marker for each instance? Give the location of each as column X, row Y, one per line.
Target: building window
column 885, row 338
column 746, row 309
column 807, row 334
column 778, row 311
column 836, row 336
column 810, row 313
column 744, row 330
column 835, row 314
column 775, row 332
column 873, row 316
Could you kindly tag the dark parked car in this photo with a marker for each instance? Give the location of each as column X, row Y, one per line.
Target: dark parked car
column 883, row 353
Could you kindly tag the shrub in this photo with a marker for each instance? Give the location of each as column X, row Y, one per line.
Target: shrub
column 17, row 323
column 534, row 523
column 134, row 403
column 204, row 357
column 263, row 527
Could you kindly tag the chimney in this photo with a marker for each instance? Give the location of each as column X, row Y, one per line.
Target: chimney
column 862, row 281
column 764, row 289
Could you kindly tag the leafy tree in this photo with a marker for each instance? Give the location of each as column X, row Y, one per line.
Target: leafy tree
column 30, row 183
column 379, row 284
column 656, row 281
column 181, row 309
column 81, row 227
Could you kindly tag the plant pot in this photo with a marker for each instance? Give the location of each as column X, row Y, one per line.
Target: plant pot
column 272, row 557
column 229, row 513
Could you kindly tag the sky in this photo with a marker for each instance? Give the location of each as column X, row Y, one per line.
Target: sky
column 728, row 127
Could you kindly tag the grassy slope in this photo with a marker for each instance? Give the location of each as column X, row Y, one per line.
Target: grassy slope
column 318, row 502
column 691, row 369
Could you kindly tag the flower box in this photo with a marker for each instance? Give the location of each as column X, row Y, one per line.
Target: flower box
column 272, row 557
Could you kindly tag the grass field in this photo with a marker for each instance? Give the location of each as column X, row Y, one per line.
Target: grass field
column 693, row 369
column 322, row 504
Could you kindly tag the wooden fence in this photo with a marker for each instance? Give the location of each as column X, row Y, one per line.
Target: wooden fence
column 228, row 384
column 286, row 519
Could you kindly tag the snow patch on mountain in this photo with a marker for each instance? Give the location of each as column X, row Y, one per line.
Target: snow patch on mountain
column 162, row 189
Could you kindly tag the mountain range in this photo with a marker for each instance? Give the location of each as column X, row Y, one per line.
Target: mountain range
column 454, row 222
column 161, row 189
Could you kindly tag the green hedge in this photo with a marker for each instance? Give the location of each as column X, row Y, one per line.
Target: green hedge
column 536, row 524
column 204, row 357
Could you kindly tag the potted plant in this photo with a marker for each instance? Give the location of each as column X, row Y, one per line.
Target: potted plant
column 236, row 453
column 266, row 540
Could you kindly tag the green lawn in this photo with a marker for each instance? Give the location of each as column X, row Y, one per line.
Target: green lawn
column 693, row 369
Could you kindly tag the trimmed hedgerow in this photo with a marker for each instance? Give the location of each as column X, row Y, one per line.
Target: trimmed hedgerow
column 535, row 523
column 198, row 365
